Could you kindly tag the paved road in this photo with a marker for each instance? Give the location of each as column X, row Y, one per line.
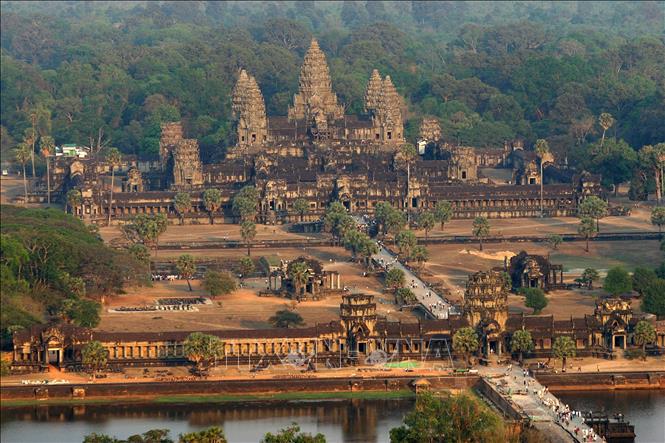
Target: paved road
column 432, row 302
column 541, row 406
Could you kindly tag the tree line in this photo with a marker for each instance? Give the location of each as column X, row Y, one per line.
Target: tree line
column 102, row 75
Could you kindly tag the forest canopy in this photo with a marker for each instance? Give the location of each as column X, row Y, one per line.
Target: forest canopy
column 490, row 71
column 53, row 266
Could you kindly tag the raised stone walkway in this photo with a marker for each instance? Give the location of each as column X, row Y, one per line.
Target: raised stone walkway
column 509, row 383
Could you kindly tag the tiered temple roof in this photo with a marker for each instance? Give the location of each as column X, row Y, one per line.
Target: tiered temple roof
column 315, row 92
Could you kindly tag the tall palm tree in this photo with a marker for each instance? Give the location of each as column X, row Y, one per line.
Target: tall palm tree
column 299, row 273
column 542, row 148
column 114, row 157
column 46, row 145
column 22, row 155
column 29, row 139
column 606, row 121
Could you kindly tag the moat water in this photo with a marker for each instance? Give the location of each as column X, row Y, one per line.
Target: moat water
column 340, row 421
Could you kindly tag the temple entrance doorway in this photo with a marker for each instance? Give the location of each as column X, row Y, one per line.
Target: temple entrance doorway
column 53, row 356
column 347, row 204
column 620, row 341
column 362, row 348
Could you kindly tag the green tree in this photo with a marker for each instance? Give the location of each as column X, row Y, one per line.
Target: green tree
column 82, row 312
column 74, row 200
column 248, row 233
column 606, row 121
column 182, row 203
column 212, row 200
column 145, row 229
column 653, row 158
column 203, row 350
column 534, row 298
column 443, row 212
column 615, row 162
column 285, row 319
column 47, row 147
column 29, row 139
column 368, row 248
column 245, row 202
column 458, row 418
column 381, row 212
column 521, row 342
column 246, row 266
column 151, row 436
column 554, row 240
column 406, row 241
column 395, row 221
column 542, row 149
column 426, row 221
column 337, row 221
column 113, row 158
column 218, row 283
column 658, row 217
column 94, row 356
column 617, row 281
column 405, row 296
column 299, row 273
column 587, row 229
column 481, row 229
column 214, row 434
column 594, row 208
column 292, row 434
column 465, row 342
column 643, row 278
column 186, row 267
column 653, row 300
column 353, row 240
column 644, row 334
column 141, row 254
column 100, row 438
column 420, row 255
column 395, row 279
column 563, row 348
column 22, row 155
column 301, row 206
column 589, row 276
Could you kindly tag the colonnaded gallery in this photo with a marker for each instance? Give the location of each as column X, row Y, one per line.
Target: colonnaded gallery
column 359, row 336
column 318, row 153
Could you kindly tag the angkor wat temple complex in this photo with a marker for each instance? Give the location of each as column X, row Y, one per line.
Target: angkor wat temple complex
column 318, row 153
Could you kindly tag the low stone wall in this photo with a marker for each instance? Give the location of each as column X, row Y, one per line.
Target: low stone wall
column 508, row 409
column 230, row 387
column 603, row 381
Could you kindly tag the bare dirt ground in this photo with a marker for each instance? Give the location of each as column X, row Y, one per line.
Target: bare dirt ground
column 244, row 309
column 216, row 232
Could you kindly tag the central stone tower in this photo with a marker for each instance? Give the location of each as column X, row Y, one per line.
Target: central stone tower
column 315, row 100
column 250, row 109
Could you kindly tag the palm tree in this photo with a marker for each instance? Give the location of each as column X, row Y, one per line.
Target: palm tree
column 113, row 157
column 212, row 199
column 606, row 121
column 22, row 155
column 481, row 229
column 299, row 274
column 182, row 204
column 542, row 148
column 248, row 232
column 46, row 144
column 301, row 206
column 30, row 138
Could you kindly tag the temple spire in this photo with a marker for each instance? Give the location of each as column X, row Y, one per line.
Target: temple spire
column 315, row 95
column 373, row 91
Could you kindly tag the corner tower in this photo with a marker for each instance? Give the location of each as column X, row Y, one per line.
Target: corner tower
column 250, row 109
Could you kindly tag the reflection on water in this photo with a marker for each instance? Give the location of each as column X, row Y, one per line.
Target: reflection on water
column 644, row 409
column 339, row 421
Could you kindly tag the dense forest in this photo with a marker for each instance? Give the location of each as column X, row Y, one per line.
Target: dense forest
column 108, row 73
column 53, row 266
